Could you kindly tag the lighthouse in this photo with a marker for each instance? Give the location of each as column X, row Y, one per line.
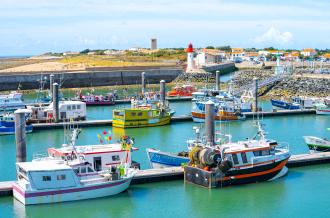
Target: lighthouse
column 190, row 58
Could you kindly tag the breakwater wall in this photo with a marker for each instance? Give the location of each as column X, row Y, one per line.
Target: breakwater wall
column 223, row 68
column 87, row 78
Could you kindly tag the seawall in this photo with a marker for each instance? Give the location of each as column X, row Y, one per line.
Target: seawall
column 87, row 78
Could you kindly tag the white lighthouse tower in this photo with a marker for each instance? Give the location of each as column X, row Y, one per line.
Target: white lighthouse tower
column 190, row 58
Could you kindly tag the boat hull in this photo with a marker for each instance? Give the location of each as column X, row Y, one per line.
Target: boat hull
column 284, row 105
column 71, row 194
column 234, row 177
column 99, row 103
column 200, row 117
column 141, row 123
column 11, row 130
column 160, row 159
column 323, row 111
column 317, row 144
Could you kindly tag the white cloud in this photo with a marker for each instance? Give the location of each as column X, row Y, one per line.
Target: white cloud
column 274, row 36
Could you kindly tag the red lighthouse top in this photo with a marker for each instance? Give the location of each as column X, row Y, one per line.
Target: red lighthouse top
column 190, row 48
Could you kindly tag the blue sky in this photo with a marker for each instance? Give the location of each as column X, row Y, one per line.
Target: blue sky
column 38, row 26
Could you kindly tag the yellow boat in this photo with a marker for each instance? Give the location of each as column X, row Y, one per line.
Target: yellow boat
column 140, row 117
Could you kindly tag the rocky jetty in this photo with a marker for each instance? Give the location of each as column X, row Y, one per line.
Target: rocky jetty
column 298, row 84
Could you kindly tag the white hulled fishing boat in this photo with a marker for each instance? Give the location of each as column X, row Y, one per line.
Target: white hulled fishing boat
column 75, row 173
column 11, row 101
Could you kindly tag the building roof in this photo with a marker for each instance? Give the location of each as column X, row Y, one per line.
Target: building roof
column 237, row 50
column 48, row 165
column 308, row 50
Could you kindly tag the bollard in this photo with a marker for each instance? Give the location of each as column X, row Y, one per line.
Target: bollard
column 20, row 135
column 162, row 91
column 217, row 80
column 56, row 112
column 143, row 82
column 209, row 123
column 51, row 82
column 255, row 105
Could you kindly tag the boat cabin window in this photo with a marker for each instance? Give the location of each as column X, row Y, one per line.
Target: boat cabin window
column 61, row 177
column 46, row 178
column 68, row 107
column 265, row 152
column 78, row 107
column 119, row 113
column 76, row 171
column 133, row 114
column 272, row 151
column 83, row 170
column 244, row 158
column 115, row 158
column 140, row 114
column 73, row 107
column 235, row 159
column 90, row 170
column 261, row 153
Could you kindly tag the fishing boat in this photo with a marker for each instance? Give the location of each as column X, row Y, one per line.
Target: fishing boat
column 42, row 182
column 142, row 114
column 317, row 144
column 91, row 99
column 159, row 159
column 224, row 110
column 11, row 101
column 233, row 163
column 68, row 110
column 181, row 91
column 323, row 109
column 74, row 173
column 281, row 104
column 7, row 125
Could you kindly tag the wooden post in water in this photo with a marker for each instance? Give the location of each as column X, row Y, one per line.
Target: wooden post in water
column 20, row 135
column 143, row 82
column 56, row 112
column 162, row 92
column 209, row 122
column 217, row 80
column 255, row 104
column 51, row 82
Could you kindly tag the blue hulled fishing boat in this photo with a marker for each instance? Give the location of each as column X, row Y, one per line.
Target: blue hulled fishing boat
column 280, row 104
column 7, row 125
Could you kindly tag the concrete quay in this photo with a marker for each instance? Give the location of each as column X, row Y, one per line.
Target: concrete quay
column 176, row 173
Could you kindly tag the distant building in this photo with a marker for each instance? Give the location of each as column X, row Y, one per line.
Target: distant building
column 209, row 56
column 237, row 53
column 292, row 56
column 308, row 52
column 153, row 44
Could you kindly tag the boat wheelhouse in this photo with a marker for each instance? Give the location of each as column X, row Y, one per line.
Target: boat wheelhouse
column 68, row 110
column 11, row 101
column 140, row 117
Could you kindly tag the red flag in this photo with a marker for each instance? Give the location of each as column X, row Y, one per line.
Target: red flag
column 104, row 132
